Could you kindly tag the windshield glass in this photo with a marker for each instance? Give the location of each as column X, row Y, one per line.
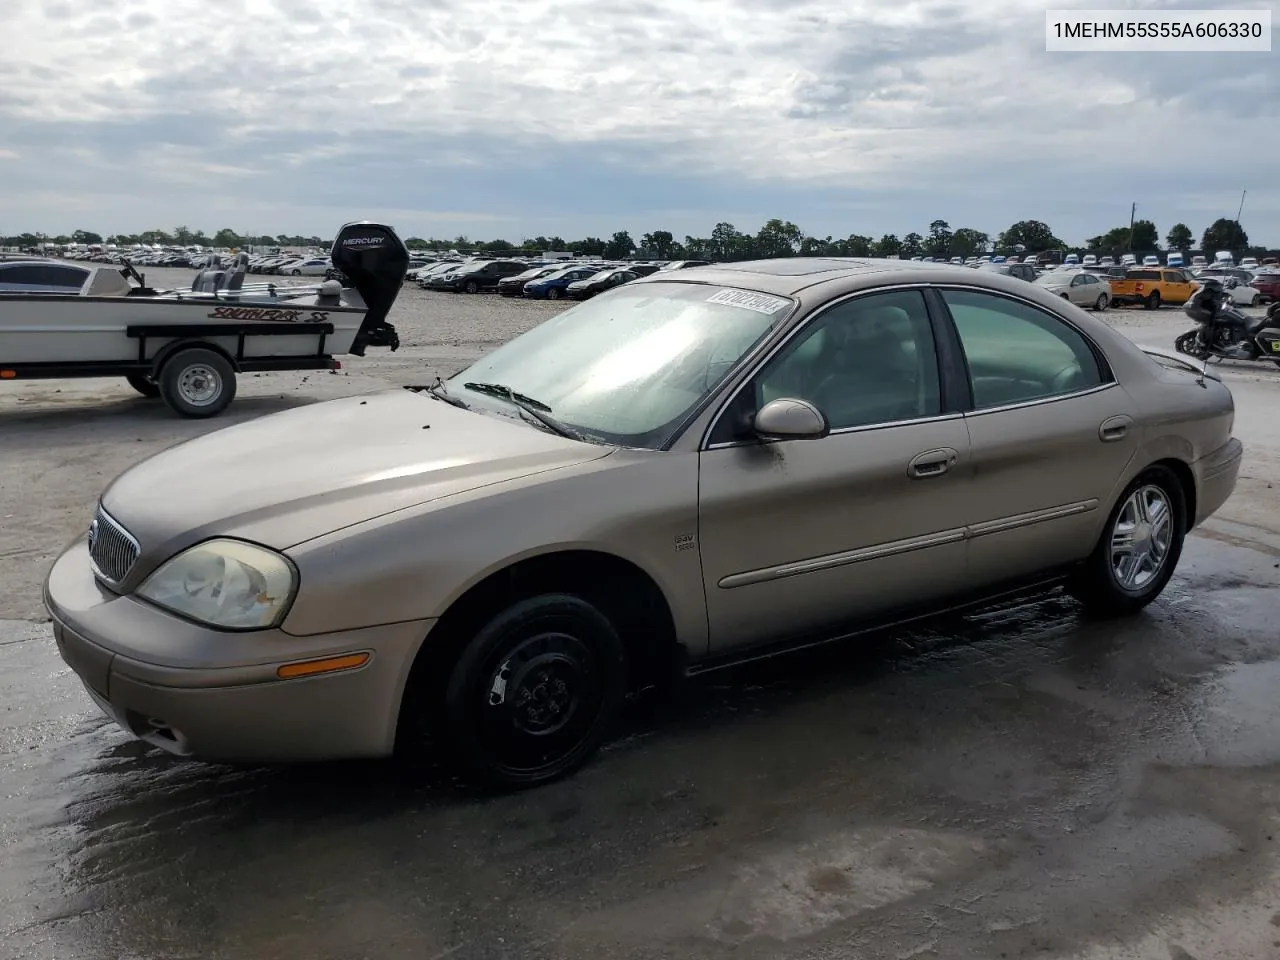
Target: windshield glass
column 1056, row 278
column 628, row 366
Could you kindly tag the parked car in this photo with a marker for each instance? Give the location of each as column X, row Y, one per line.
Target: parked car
column 600, row 282
column 1241, row 291
column 1267, row 283
column 477, row 276
column 1081, row 287
column 684, row 264
column 514, row 286
column 1022, row 271
column 554, row 285
column 648, row 479
column 1152, row 287
column 311, row 267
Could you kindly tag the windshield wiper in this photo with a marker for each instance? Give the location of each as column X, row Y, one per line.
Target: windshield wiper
column 534, row 408
column 440, row 392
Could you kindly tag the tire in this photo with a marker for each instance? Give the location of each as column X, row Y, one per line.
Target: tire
column 1256, row 301
column 472, row 287
column 1108, row 592
column 197, row 382
column 1153, row 301
column 1065, row 297
column 560, row 659
column 296, row 273
column 553, row 294
column 144, row 385
column 1101, row 303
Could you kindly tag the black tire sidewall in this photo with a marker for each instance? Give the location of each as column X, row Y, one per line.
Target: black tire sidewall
column 171, row 372
column 462, row 736
column 144, row 385
column 1100, row 588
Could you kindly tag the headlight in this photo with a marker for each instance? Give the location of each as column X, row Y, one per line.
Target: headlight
column 224, row 583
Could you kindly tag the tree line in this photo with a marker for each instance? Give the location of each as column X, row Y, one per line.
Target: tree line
column 776, row 238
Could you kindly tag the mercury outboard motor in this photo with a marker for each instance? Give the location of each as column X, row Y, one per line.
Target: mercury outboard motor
column 374, row 260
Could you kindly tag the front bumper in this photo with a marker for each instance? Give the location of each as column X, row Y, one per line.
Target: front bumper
column 1216, row 475
column 195, row 691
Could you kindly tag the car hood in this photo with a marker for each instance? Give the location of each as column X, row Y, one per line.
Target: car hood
column 292, row 476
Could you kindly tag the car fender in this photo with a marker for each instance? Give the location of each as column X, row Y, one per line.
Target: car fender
column 413, row 564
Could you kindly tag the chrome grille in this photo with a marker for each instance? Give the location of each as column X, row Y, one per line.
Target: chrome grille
column 111, row 549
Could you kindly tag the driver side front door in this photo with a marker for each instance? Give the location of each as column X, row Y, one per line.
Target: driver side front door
column 802, row 535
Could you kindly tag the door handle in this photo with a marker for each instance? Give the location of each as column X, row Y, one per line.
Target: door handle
column 932, row 463
column 1114, row 428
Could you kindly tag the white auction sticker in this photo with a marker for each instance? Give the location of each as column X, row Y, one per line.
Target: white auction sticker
column 1157, row 31
column 759, row 302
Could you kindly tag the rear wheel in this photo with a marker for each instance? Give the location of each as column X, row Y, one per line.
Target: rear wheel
column 296, row 273
column 1102, row 302
column 1256, row 300
column 534, row 693
column 197, row 382
column 1139, row 548
column 1153, row 301
column 144, row 385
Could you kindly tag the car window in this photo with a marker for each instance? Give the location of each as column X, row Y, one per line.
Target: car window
column 1017, row 352
column 1172, row 276
column 866, row 361
column 1079, row 280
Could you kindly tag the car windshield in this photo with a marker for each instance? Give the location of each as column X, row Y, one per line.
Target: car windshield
column 629, row 366
column 1056, row 278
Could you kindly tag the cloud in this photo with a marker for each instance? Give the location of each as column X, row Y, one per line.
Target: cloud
column 571, row 118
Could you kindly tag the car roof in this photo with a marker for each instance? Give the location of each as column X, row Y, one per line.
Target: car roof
column 787, row 276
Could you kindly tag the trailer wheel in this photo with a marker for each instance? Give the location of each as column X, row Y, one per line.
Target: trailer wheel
column 197, row 382
column 144, row 385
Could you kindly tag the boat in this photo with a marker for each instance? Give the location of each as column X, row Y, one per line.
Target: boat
column 185, row 346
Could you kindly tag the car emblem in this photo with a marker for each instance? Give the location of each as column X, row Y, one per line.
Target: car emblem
column 93, row 534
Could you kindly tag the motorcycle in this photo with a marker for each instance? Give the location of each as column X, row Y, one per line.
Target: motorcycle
column 1226, row 333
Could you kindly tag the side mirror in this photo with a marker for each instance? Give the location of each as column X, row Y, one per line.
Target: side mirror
column 788, row 418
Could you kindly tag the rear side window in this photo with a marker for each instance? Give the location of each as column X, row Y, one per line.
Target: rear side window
column 1144, row 274
column 1017, row 353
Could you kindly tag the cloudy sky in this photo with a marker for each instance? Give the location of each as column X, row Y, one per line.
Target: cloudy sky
column 573, row 117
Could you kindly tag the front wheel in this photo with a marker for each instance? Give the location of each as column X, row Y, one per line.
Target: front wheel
column 296, row 273
column 553, row 294
column 1101, row 303
column 1139, row 547
column 197, row 382
column 472, row 286
column 534, row 693
column 144, row 385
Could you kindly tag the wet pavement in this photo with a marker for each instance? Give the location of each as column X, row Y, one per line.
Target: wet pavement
column 1013, row 784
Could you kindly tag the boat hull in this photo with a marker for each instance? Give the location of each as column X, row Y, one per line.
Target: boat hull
column 37, row 329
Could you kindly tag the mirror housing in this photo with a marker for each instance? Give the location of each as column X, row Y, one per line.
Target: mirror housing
column 789, row 418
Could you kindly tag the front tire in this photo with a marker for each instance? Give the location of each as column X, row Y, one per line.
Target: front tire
column 534, row 693
column 1139, row 547
column 472, row 287
column 197, row 383
column 296, row 273
column 1101, row 303
column 553, row 294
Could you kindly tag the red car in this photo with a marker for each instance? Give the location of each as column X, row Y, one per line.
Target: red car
column 1267, row 284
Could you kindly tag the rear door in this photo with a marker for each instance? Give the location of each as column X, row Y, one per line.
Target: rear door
column 1052, row 434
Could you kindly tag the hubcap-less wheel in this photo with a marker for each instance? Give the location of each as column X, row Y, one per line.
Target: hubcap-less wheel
column 539, row 701
column 199, row 385
column 1140, row 538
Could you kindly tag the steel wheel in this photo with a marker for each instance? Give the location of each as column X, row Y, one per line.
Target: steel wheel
column 1141, row 537
column 534, row 692
column 199, row 385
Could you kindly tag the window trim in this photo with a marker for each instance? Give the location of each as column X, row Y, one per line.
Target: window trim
column 1104, row 366
column 952, row 393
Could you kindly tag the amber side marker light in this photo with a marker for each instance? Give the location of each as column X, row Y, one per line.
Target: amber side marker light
column 310, row 668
